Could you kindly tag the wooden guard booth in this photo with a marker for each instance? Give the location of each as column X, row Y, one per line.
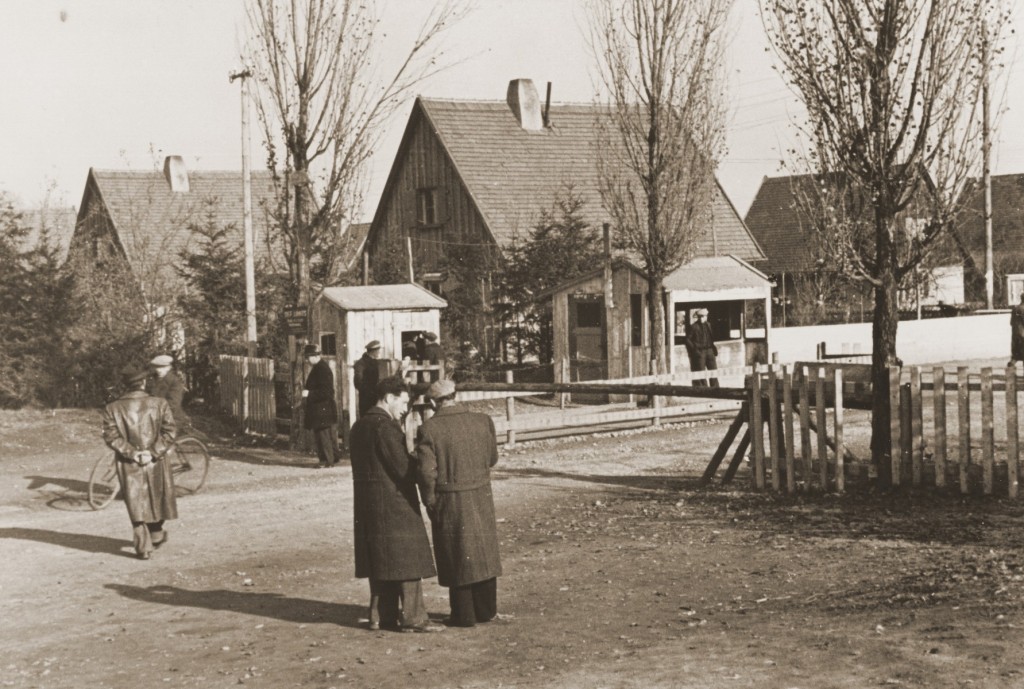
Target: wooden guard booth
column 345, row 319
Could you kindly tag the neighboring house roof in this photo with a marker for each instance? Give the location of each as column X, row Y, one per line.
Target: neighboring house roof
column 780, row 227
column 352, row 242
column 512, row 174
column 715, row 274
column 1007, row 217
column 149, row 217
column 618, row 263
column 59, row 223
column 383, row 298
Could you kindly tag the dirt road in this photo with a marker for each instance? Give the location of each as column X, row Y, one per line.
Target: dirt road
column 619, row 572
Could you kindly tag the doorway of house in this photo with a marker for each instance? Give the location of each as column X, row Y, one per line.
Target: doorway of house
column 588, row 343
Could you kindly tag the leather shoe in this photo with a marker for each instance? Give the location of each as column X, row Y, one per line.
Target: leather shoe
column 157, row 544
column 142, row 556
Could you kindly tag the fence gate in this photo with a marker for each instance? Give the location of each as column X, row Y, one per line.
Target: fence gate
column 247, row 393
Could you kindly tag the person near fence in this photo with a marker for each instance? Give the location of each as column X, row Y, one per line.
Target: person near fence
column 700, row 346
column 1017, row 332
column 432, row 350
column 140, row 429
column 365, row 375
column 321, row 409
column 391, row 545
column 455, row 450
column 168, row 384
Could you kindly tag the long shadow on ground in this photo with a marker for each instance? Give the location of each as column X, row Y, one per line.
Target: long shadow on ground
column 78, row 541
column 272, row 605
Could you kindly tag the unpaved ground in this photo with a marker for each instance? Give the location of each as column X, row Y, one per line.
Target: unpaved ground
column 619, row 572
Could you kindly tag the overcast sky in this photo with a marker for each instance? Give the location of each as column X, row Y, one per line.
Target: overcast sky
column 121, row 83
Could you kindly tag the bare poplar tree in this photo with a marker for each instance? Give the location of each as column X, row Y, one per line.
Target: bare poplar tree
column 660, row 63
column 323, row 105
column 892, row 90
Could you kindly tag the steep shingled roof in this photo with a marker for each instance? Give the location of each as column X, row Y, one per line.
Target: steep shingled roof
column 1007, row 218
column 512, row 173
column 145, row 211
column 778, row 225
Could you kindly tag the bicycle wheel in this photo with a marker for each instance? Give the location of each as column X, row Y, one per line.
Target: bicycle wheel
column 103, row 482
column 190, row 460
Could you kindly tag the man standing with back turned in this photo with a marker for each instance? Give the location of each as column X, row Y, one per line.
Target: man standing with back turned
column 391, row 545
column 321, row 409
column 365, row 374
column 455, row 451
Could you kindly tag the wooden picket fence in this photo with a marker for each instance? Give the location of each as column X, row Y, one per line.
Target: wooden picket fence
column 249, row 398
column 798, row 401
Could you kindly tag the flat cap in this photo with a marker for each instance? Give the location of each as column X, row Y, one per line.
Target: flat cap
column 431, row 336
column 133, row 374
column 373, row 344
column 441, row 388
column 162, row 360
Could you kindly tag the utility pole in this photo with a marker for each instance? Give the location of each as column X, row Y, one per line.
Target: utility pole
column 986, row 170
column 250, row 268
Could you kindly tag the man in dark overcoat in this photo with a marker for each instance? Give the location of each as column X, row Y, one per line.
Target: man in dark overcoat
column 455, row 450
column 321, row 409
column 168, row 384
column 365, row 374
column 1017, row 332
column 140, row 430
column 701, row 348
column 391, row 546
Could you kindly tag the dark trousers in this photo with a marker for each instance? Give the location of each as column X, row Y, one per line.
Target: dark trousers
column 474, row 603
column 326, row 444
column 397, row 603
column 704, row 360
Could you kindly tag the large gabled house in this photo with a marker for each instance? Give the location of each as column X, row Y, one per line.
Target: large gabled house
column 479, row 174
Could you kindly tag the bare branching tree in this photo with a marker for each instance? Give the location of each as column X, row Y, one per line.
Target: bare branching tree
column 323, row 106
column 660, row 63
column 892, row 90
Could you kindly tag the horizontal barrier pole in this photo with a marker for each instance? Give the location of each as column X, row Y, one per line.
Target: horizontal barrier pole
column 611, row 388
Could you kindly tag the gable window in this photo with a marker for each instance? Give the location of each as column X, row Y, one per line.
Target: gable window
column 426, row 206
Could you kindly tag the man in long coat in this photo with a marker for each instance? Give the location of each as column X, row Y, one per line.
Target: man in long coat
column 455, row 451
column 366, row 374
column 321, row 409
column 140, row 430
column 391, row 546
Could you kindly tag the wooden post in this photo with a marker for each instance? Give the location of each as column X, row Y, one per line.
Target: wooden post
column 510, row 412
column 963, row 395
column 838, row 432
column 773, row 426
column 988, row 442
column 408, row 251
column 894, row 423
column 939, row 413
column 906, row 416
column 805, row 427
column 723, row 447
column 819, row 409
column 1012, row 436
column 916, row 426
column 757, row 428
column 562, row 396
column 787, row 405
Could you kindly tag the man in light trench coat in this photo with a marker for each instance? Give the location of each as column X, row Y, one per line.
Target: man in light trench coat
column 391, row 546
column 455, row 450
column 140, row 429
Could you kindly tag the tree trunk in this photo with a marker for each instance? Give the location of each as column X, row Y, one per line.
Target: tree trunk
column 883, row 355
column 304, row 283
column 656, row 310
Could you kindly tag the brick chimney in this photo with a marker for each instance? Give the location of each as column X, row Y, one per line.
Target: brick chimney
column 525, row 104
column 176, row 174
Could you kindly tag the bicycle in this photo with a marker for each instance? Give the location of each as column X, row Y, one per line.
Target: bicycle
column 190, row 462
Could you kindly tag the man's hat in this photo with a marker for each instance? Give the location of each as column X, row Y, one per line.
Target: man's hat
column 311, row 350
column 162, row 360
column 133, row 374
column 701, row 312
column 372, row 344
column 431, row 336
column 441, row 388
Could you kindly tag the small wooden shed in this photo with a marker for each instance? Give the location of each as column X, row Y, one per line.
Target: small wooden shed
column 601, row 323
column 345, row 319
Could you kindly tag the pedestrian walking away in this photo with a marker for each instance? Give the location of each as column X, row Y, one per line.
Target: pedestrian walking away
column 455, row 450
column 391, row 545
column 140, row 429
column 321, row 410
column 168, row 384
column 366, row 374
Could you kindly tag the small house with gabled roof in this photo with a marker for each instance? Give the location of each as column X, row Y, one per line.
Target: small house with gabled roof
column 479, row 173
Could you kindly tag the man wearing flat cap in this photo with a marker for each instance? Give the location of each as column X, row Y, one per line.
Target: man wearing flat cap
column 701, row 348
column 365, row 374
column 140, row 429
column 455, row 450
column 168, row 384
column 321, row 409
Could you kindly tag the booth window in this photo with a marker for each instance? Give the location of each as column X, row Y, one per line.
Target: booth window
column 636, row 320
column 328, row 344
column 426, row 206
